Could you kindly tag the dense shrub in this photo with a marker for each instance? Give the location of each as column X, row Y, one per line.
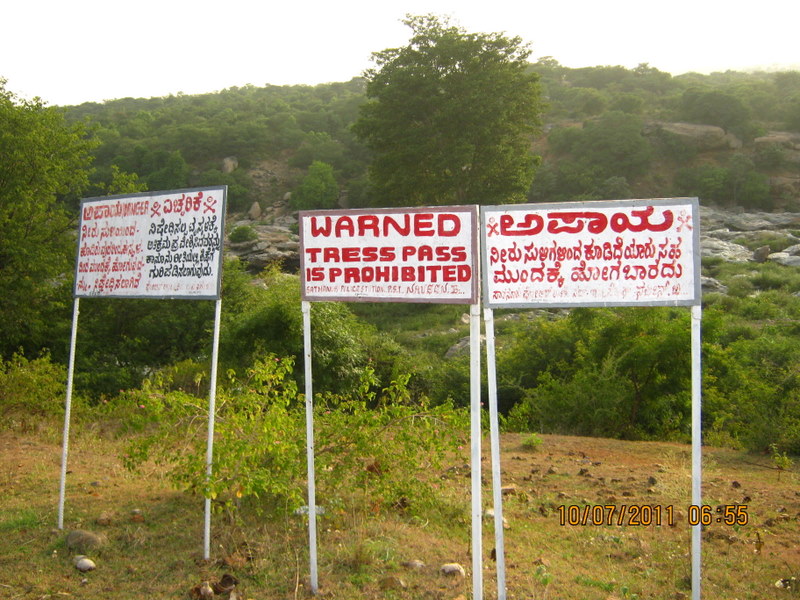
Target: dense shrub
column 242, row 233
column 366, row 443
column 31, row 390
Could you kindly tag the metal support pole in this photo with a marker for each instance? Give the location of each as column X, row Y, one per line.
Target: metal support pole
column 68, row 411
column 312, row 499
column 212, row 410
column 494, row 433
column 697, row 440
column 475, row 436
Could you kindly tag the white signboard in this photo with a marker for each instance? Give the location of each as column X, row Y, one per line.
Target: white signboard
column 153, row 245
column 390, row 255
column 626, row 252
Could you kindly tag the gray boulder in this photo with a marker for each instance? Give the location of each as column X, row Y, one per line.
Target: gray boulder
column 728, row 251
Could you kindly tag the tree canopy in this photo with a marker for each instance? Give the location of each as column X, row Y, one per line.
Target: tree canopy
column 43, row 160
column 450, row 117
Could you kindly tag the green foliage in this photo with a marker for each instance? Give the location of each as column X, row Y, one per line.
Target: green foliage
column 628, row 103
column 770, row 156
column 625, row 376
column 318, row 189
column 584, row 102
column 242, row 233
column 44, row 162
column 123, row 341
column 238, row 182
column 748, row 188
column 793, row 114
column 625, row 372
column 738, row 183
column 781, row 460
column 614, row 144
column 182, row 140
column 30, row 390
column 595, row 161
column 123, row 183
column 715, row 107
column 673, row 147
column 365, row 442
column 301, row 124
column 374, row 442
column 708, row 182
column 258, row 449
column 318, row 146
column 776, row 242
column 532, row 442
column 449, row 117
column 270, row 321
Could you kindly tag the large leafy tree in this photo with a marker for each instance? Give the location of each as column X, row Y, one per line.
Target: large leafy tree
column 43, row 161
column 450, row 117
column 318, row 189
column 715, row 107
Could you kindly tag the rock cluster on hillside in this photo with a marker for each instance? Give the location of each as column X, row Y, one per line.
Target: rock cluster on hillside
column 276, row 243
column 703, row 138
column 724, row 234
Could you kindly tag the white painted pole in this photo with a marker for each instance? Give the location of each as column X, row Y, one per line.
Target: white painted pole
column 697, row 452
column 475, row 436
column 68, row 411
column 212, row 410
column 312, row 494
column 494, row 433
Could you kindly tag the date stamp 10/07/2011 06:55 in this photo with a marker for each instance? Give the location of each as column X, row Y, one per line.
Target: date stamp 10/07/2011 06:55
column 649, row 515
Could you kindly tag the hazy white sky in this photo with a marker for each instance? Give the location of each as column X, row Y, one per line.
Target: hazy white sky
column 68, row 52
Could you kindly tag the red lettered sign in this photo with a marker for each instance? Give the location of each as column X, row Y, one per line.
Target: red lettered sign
column 152, row 245
column 390, row 255
column 618, row 253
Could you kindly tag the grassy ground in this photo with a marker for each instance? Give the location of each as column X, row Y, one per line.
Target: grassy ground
column 363, row 547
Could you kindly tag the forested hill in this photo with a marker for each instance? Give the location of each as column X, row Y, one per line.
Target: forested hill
column 732, row 138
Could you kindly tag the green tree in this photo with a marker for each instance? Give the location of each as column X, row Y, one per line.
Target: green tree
column 748, row 187
column 317, row 146
column 450, row 117
column 793, row 114
column 708, row 182
column 597, row 160
column 714, row 107
column 619, row 372
column 585, row 102
column 615, row 144
column 42, row 161
column 124, row 183
column 318, row 188
column 172, row 174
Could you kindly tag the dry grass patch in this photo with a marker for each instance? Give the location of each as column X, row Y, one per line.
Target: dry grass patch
column 366, row 549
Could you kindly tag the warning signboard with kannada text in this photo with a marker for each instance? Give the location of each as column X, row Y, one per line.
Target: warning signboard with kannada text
column 151, row 245
column 390, row 255
column 615, row 253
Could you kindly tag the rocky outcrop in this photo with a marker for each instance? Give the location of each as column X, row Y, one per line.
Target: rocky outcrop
column 789, row 144
column 784, row 139
column 726, row 235
column 704, row 138
column 275, row 244
column 729, row 236
column 230, row 164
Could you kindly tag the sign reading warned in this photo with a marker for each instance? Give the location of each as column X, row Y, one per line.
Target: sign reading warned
column 159, row 244
column 390, row 255
column 592, row 253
